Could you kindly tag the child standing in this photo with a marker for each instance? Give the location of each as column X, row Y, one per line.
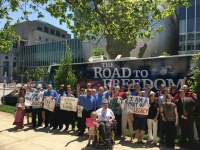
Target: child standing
column 91, row 130
column 19, row 119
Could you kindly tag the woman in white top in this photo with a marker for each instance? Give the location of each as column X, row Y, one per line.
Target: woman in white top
column 126, row 117
column 105, row 118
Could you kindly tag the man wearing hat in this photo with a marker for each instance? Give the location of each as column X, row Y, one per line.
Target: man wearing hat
column 37, row 110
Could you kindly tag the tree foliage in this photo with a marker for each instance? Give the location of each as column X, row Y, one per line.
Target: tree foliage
column 98, row 52
column 14, row 71
column 64, row 74
column 195, row 84
column 26, row 76
column 95, row 18
column 37, row 73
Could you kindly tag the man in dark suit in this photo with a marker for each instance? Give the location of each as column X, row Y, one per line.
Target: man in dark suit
column 185, row 108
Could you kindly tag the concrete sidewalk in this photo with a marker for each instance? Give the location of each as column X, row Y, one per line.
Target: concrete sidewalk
column 44, row 139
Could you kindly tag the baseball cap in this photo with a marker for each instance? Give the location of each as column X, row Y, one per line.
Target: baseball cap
column 39, row 86
column 105, row 101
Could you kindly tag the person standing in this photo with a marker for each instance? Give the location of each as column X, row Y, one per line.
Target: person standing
column 59, row 114
column 169, row 115
column 37, row 110
column 152, row 119
column 185, row 107
column 49, row 114
column 147, row 92
column 89, row 105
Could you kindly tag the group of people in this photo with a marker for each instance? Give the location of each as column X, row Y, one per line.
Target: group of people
column 171, row 110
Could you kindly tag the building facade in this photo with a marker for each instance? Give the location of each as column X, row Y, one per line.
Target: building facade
column 189, row 28
column 46, row 54
column 32, row 33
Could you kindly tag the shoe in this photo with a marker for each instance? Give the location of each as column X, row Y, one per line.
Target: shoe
column 45, row 127
column 149, row 141
column 88, row 144
column 93, row 144
column 141, row 142
column 65, row 129
column 54, row 128
column 79, row 134
column 154, row 142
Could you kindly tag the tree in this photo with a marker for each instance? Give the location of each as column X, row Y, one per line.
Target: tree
column 64, row 74
column 98, row 52
column 36, row 73
column 125, row 20
column 14, row 71
column 26, row 76
column 195, row 84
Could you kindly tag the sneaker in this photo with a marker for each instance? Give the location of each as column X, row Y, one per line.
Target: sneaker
column 149, row 141
column 154, row 142
column 141, row 142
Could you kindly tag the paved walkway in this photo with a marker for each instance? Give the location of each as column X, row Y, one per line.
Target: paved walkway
column 44, row 139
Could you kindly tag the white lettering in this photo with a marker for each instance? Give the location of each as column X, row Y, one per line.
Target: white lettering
column 97, row 70
column 142, row 74
column 106, row 82
column 156, row 85
column 150, row 82
column 111, row 64
column 115, row 82
column 104, row 73
column 125, row 82
column 124, row 72
column 116, row 72
column 136, row 73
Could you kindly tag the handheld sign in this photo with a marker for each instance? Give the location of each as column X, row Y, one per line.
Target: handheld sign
column 68, row 103
column 138, row 105
column 49, row 103
column 33, row 99
column 79, row 111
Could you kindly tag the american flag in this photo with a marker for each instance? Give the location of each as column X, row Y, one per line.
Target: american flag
column 83, row 82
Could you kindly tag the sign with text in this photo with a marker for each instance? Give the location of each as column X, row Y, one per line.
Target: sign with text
column 68, row 103
column 79, row 111
column 138, row 105
column 33, row 99
column 49, row 103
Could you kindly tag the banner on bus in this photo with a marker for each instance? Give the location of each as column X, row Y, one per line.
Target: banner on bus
column 138, row 105
column 68, row 103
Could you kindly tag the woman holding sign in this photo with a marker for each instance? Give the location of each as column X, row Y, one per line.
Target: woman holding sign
column 170, row 116
column 116, row 106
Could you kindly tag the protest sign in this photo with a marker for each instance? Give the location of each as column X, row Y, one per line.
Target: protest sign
column 89, row 122
column 33, row 99
column 138, row 105
column 68, row 103
column 79, row 111
column 49, row 103
column 28, row 100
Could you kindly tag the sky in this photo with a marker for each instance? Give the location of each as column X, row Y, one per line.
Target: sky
column 47, row 18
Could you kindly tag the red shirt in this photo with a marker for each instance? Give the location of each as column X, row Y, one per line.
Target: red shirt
column 187, row 94
column 122, row 95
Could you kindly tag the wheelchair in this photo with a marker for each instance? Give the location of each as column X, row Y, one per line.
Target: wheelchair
column 99, row 141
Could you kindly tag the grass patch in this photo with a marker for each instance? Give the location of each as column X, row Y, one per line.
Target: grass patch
column 7, row 108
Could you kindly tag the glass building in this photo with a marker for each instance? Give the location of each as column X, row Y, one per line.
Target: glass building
column 189, row 28
column 50, row 53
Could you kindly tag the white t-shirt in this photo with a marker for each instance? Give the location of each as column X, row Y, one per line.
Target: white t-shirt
column 105, row 115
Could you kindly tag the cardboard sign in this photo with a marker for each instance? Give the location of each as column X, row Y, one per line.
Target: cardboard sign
column 79, row 111
column 68, row 103
column 138, row 105
column 33, row 99
column 89, row 122
column 49, row 103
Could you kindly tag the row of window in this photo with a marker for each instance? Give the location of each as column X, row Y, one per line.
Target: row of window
column 190, row 25
column 6, row 57
column 189, row 47
column 52, row 31
column 6, row 67
column 190, row 36
column 190, row 12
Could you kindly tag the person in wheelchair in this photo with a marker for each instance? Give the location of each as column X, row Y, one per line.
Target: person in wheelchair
column 105, row 118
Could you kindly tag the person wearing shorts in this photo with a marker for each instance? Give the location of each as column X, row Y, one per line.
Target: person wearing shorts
column 140, row 126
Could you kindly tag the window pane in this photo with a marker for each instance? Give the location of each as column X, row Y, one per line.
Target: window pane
column 57, row 33
column 6, row 57
column 46, row 29
column 190, row 12
column 39, row 28
column 198, row 24
column 52, row 31
column 182, row 13
column 182, row 26
column 190, row 36
column 63, row 36
column 190, row 25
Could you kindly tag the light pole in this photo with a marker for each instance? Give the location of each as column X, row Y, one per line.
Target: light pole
column 11, row 64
